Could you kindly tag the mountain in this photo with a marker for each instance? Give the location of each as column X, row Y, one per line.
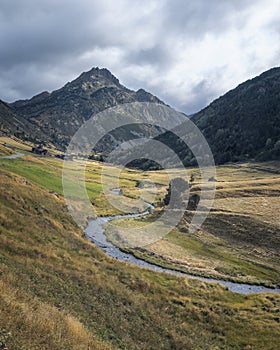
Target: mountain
column 242, row 125
column 245, row 122
column 59, row 114
column 13, row 123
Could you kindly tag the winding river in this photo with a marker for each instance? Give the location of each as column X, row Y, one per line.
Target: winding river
column 96, row 234
column 13, row 156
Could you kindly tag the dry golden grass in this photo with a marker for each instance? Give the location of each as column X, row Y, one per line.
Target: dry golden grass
column 27, row 323
column 15, row 143
column 4, row 151
column 240, row 239
column 58, row 291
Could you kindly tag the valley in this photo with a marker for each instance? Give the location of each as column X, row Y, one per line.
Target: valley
column 238, row 241
column 60, row 291
column 139, row 175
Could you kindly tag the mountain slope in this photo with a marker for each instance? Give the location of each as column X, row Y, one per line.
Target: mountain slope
column 245, row 122
column 13, row 123
column 242, row 125
column 59, row 114
column 58, row 291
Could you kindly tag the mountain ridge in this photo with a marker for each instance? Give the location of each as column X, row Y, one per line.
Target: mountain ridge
column 60, row 113
column 241, row 125
column 13, row 123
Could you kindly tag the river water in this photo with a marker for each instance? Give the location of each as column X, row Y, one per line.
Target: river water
column 13, row 156
column 96, row 234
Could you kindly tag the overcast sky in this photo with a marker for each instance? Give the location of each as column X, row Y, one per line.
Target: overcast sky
column 187, row 52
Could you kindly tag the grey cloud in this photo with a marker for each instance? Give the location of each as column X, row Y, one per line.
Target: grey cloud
column 158, row 56
column 44, row 31
column 200, row 96
column 203, row 94
column 39, row 38
column 196, row 18
column 43, row 43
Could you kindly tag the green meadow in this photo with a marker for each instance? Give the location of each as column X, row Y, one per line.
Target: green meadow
column 59, row 291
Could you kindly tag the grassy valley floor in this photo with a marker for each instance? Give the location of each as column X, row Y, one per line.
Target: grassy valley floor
column 58, row 291
column 240, row 238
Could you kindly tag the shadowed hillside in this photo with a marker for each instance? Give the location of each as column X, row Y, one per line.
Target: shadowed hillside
column 242, row 125
column 58, row 291
column 245, row 122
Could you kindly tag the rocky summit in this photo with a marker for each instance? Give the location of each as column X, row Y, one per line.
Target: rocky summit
column 59, row 114
column 242, row 125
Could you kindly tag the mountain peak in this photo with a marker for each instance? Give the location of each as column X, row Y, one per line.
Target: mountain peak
column 102, row 75
column 60, row 113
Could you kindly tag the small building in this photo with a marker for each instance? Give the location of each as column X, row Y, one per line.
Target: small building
column 60, row 156
column 39, row 150
column 65, row 156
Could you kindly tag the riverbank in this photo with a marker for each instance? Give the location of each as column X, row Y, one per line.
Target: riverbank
column 59, row 291
column 95, row 233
